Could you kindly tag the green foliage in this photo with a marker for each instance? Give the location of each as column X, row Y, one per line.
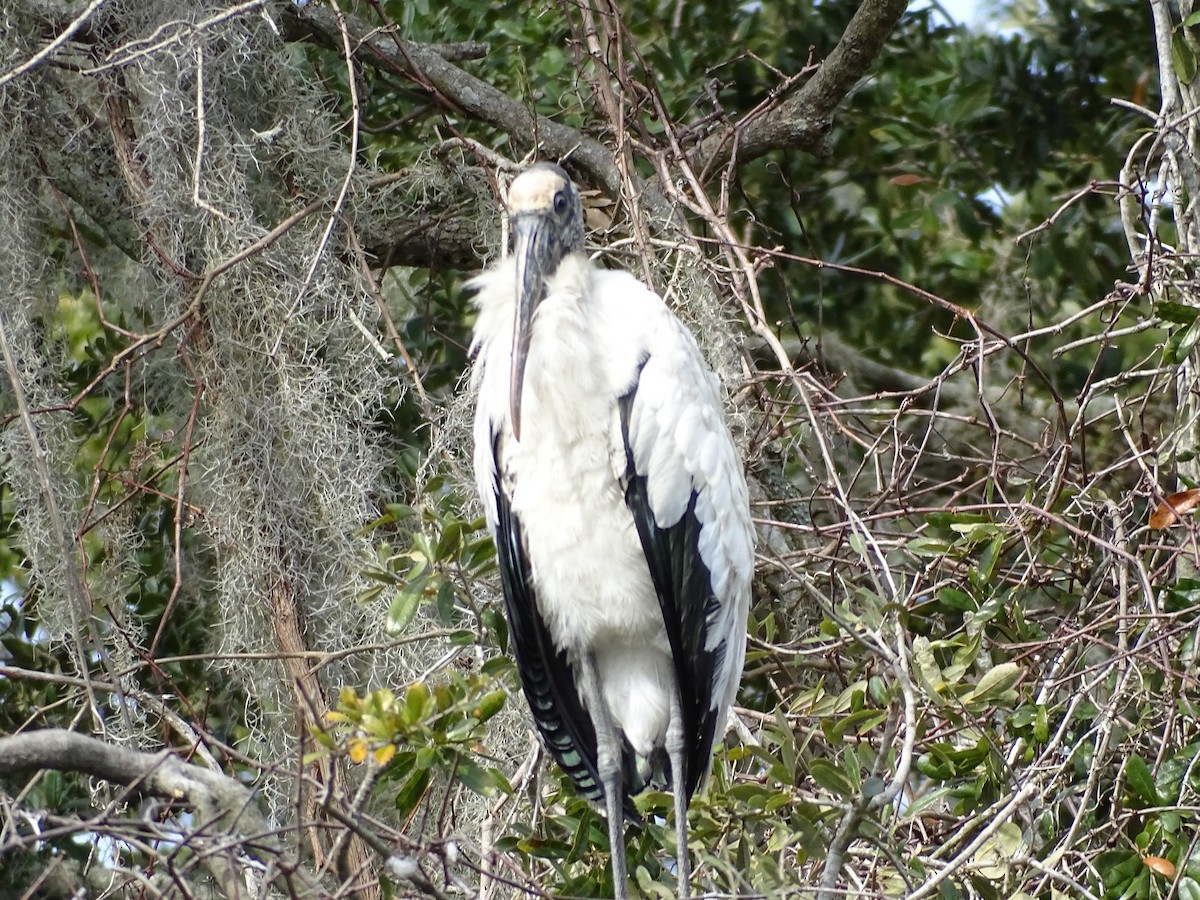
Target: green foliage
column 431, row 729
column 441, row 548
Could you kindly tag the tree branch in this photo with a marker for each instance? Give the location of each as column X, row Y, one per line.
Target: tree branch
column 803, row 120
column 459, row 90
column 449, row 240
column 218, row 800
column 456, row 88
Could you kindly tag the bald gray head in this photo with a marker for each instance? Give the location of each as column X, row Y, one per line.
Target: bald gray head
column 544, row 197
column 546, row 218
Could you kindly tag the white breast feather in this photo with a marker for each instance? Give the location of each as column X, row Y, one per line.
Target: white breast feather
column 679, row 442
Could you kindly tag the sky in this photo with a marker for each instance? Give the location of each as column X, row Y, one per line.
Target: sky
column 967, row 12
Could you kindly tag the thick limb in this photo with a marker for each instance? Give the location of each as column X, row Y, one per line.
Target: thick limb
column 677, row 753
column 608, row 764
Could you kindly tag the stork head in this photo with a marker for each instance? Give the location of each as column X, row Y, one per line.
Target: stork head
column 546, row 219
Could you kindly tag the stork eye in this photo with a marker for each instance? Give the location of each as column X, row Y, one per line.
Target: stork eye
column 560, row 202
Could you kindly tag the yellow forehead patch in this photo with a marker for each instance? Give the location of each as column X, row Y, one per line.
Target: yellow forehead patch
column 533, row 190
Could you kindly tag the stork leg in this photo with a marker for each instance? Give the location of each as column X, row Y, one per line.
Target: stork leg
column 676, row 752
column 608, row 766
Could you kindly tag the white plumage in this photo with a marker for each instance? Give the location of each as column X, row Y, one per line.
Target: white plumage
column 620, row 514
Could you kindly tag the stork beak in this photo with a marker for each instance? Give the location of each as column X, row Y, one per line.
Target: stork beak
column 531, row 247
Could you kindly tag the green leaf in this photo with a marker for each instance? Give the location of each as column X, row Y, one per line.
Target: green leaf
column 489, row 705
column 399, row 511
column 445, row 602
column 879, row 689
column 995, row 683
column 952, row 598
column 929, row 674
column 1188, row 340
column 416, row 702
column 973, row 532
column 474, row 777
column 410, row 795
column 496, row 667
column 831, row 778
column 1116, row 869
column 859, row 545
column 858, row 723
column 943, row 761
column 1137, row 774
column 992, row 858
column 966, row 655
column 926, row 546
column 853, row 765
column 403, row 608
column 425, row 759
column 1192, row 20
column 497, row 625
column 1179, row 313
column 988, row 559
column 449, row 543
column 988, row 610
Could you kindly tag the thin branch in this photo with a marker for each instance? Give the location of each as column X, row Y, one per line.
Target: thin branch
column 803, row 120
column 46, row 52
column 216, row 798
column 456, row 89
column 201, row 128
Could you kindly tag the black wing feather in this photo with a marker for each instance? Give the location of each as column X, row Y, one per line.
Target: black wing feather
column 685, row 595
column 546, row 675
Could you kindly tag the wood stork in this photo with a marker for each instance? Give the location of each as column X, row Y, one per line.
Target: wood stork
column 619, row 509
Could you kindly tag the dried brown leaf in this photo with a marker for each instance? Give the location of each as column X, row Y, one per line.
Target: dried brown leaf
column 597, row 219
column 1171, row 509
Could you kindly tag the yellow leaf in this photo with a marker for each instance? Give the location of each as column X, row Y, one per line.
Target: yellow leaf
column 384, row 754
